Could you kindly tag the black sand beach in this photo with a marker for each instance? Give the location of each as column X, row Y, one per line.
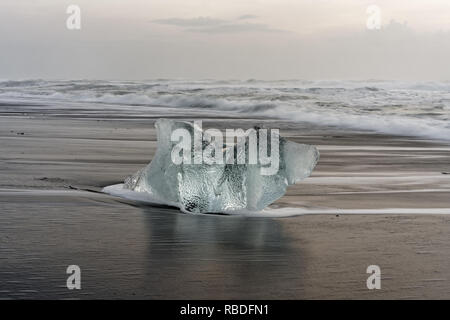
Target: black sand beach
column 52, row 214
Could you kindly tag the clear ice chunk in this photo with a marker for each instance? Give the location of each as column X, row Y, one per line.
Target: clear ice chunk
column 219, row 188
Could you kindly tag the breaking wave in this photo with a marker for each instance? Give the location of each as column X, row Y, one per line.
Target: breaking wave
column 419, row 109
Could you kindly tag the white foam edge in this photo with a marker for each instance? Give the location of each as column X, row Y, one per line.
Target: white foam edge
column 119, row 191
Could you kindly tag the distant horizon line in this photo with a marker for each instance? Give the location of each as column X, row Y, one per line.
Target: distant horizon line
column 223, row 79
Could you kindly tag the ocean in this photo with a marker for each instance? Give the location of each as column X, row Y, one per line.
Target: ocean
column 418, row 109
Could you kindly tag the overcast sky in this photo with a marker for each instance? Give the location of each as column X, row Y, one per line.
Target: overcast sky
column 225, row 39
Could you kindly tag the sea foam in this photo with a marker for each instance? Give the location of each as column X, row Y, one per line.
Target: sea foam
column 420, row 109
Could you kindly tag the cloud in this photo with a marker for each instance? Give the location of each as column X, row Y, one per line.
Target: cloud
column 192, row 22
column 236, row 28
column 211, row 25
column 247, row 16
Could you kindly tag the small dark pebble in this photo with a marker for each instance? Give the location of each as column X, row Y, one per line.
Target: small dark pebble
column 445, row 172
column 337, row 215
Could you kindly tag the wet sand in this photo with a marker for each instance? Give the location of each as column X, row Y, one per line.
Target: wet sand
column 52, row 166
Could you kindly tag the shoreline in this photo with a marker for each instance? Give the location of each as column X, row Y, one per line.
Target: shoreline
column 130, row 250
column 396, row 172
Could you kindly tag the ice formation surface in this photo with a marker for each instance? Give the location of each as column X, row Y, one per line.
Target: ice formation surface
column 219, row 188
